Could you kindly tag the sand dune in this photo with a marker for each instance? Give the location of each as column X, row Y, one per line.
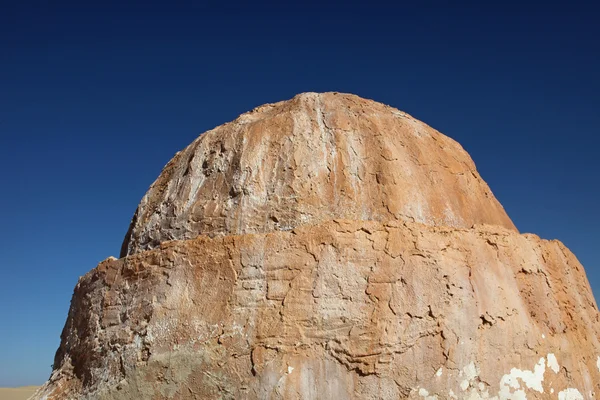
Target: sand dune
column 20, row 393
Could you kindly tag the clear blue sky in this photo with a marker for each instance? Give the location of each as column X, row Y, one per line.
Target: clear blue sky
column 95, row 99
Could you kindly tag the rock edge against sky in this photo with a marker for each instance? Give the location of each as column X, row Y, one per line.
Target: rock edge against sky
column 328, row 247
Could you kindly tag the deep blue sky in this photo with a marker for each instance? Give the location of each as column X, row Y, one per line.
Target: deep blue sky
column 95, row 99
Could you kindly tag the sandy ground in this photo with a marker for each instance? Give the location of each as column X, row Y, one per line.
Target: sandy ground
column 20, row 393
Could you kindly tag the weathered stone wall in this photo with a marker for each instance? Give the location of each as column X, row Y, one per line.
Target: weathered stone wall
column 328, row 247
column 346, row 309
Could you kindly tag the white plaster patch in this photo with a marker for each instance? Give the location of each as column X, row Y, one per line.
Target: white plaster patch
column 471, row 371
column 513, row 386
column 598, row 363
column 474, row 394
column 543, row 336
column 519, row 395
column 570, row 394
column 553, row 363
column 424, row 393
column 464, row 385
column 290, row 369
column 531, row 379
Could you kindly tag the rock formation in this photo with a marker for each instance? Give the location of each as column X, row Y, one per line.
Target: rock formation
column 328, row 247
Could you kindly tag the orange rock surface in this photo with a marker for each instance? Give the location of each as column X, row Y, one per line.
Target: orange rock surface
column 309, row 160
column 328, row 247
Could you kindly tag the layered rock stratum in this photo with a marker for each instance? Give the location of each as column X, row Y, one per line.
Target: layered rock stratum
column 328, row 247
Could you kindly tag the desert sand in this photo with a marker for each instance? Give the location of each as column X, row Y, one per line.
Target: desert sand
column 19, row 393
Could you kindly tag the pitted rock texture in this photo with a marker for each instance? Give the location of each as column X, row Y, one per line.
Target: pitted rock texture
column 377, row 306
column 309, row 160
column 341, row 310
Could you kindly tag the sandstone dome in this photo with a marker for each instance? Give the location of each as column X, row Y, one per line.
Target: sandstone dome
column 309, row 160
column 328, row 247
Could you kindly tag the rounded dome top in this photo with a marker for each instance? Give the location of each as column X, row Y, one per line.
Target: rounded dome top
column 316, row 157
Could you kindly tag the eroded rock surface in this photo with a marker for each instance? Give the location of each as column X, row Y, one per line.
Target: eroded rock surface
column 309, row 160
column 296, row 276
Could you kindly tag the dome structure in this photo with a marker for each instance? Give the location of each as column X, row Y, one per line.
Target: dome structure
column 317, row 157
column 328, row 247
